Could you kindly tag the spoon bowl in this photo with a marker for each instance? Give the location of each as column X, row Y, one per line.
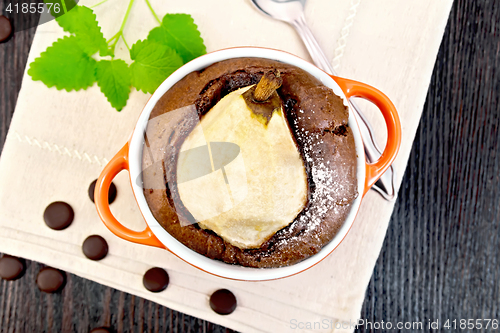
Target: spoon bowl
column 283, row 10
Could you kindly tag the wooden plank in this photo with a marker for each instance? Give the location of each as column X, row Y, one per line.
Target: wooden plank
column 440, row 259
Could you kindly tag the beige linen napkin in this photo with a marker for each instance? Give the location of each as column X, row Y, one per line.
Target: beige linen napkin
column 59, row 142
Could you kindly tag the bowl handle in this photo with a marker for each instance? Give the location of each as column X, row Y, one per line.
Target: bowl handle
column 118, row 163
column 357, row 89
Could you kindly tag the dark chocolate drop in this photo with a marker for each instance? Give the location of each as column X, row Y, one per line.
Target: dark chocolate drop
column 101, row 330
column 50, row 280
column 111, row 194
column 5, row 28
column 223, row 302
column 58, row 215
column 156, row 279
column 11, row 268
column 95, row 247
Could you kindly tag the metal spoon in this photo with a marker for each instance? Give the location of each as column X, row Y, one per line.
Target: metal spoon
column 292, row 12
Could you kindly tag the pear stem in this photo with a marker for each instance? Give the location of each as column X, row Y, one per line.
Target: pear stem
column 268, row 84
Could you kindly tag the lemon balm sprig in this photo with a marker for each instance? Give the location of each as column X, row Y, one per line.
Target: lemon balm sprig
column 70, row 63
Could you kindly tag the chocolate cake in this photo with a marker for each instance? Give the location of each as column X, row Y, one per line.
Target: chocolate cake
column 318, row 122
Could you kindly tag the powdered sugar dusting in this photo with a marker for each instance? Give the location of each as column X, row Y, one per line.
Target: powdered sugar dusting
column 324, row 190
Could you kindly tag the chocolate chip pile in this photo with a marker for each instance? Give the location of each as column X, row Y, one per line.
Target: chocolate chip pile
column 58, row 216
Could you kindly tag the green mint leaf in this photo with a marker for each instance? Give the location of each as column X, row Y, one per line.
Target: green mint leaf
column 104, row 50
column 114, row 78
column 153, row 63
column 136, row 48
column 82, row 22
column 64, row 65
column 179, row 32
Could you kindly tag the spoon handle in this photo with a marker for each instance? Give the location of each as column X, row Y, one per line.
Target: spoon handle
column 312, row 45
column 385, row 185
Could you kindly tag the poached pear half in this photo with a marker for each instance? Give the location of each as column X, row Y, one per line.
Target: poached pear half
column 260, row 190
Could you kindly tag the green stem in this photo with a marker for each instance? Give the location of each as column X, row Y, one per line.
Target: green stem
column 97, row 4
column 126, row 15
column 63, row 3
column 152, row 11
column 120, row 32
column 113, row 38
column 124, row 41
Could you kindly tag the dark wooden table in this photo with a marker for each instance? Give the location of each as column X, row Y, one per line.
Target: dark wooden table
column 441, row 255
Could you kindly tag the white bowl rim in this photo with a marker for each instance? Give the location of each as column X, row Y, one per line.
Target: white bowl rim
column 212, row 266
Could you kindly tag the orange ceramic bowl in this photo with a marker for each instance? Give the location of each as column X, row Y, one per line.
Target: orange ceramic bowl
column 130, row 158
